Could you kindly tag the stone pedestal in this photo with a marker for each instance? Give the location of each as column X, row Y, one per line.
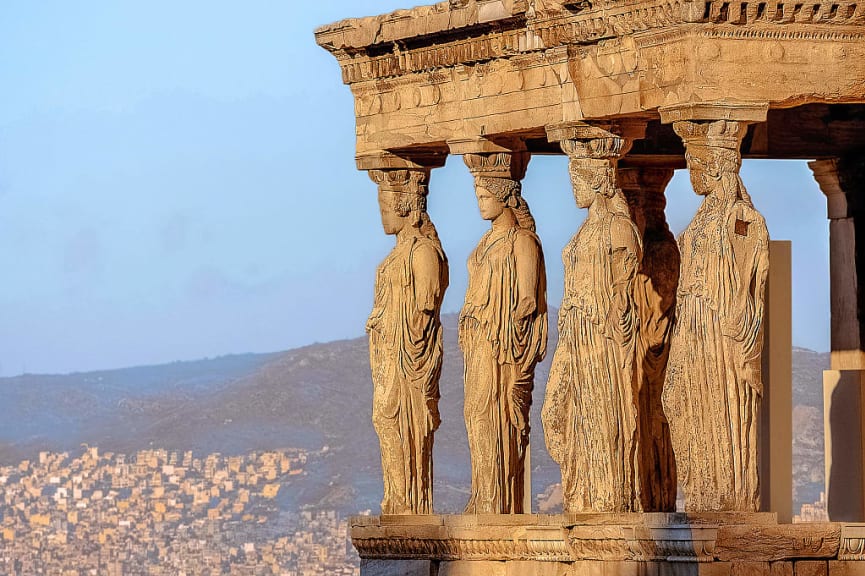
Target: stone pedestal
column 651, row 544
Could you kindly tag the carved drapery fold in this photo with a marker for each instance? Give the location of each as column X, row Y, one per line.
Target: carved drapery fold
column 713, row 387
column 502, row 333
column 590, row 411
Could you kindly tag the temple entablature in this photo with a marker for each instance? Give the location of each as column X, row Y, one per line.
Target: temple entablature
column 455, row 70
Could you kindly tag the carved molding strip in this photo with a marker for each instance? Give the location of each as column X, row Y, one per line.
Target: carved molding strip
column 670, row 538
column 415, row 549
column 643, row 544
column 546, row 545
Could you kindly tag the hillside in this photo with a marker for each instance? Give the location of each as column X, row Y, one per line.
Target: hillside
column 310, row 398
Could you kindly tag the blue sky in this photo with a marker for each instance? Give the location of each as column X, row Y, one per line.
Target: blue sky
column 177, row 181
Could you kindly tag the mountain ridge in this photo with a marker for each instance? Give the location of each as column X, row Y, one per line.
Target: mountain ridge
column 310, row 397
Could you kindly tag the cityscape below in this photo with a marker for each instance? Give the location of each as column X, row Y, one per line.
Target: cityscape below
column 159, row 513
column 246, row 465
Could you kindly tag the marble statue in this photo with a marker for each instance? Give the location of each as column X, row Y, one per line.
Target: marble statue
column 405, row 342
column 590, row 409
column 503, row 335
column 713, row 385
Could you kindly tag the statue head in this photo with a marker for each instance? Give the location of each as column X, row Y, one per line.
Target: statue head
column 712, row 153
column 400, row 209
column 401, row 198
column 495, row 195
column 714, row 170
column 590, row 178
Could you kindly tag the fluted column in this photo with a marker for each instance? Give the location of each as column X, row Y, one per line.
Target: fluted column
column 655, row 298
column 405, row 333
column 713, row 386
column 503, row 329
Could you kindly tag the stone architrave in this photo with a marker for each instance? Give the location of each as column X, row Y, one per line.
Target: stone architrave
column 502, row 333
column 655, row 297
column 405, row 341
column 590, row 411
column 713, row 388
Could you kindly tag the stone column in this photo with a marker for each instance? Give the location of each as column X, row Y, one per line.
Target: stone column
column 503, row 329
column 405, row 333
column 713, row 387
column 843, row 182
column 655, row 297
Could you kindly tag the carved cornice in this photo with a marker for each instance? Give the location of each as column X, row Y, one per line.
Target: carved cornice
column 831, row 20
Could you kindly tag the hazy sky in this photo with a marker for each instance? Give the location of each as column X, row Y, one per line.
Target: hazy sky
column 177, row 181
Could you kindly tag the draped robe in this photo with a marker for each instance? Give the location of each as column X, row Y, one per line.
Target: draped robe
column 590, row 409
column 713, row 385
column 501, row 352
column 405, row 349
column 655, row 298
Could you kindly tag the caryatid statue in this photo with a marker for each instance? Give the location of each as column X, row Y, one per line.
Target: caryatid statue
column 713, row 386
column 502, row 333
column 655, row 298
column 590, row 410
column 405, row 341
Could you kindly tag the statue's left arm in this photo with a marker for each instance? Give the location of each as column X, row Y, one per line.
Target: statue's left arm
column 527, row 256
column 423, row 346
column 426, row 274
column 749, row 240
